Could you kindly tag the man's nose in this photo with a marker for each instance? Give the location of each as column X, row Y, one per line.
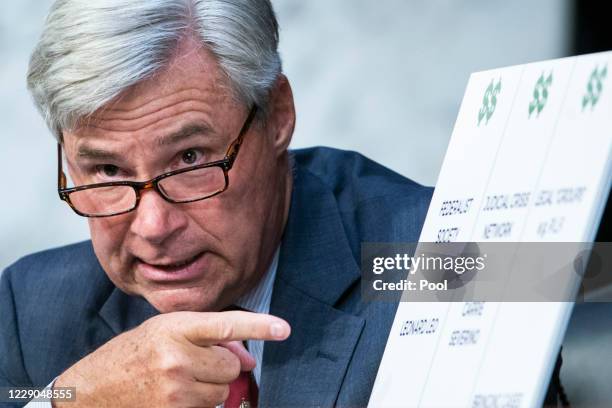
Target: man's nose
column 156, row 219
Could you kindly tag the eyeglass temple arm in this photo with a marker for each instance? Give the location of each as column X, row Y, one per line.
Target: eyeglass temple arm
column 61, row 177
column 232, row 151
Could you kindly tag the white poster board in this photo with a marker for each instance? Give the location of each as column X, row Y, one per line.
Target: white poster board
column 529, row 160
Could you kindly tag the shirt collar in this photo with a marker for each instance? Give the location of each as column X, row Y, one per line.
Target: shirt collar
column 258, row 298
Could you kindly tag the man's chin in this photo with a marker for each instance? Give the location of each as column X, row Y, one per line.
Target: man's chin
column 194, row 299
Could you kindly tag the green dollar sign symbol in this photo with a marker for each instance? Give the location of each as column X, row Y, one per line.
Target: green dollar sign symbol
column 594, row 87
column 540, row 94
column 489, row 101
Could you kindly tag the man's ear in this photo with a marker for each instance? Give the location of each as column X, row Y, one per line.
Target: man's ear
column 281, row 115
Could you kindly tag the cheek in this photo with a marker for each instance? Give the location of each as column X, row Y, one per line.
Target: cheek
column 108, row 236
column 234, row 220
column 220, row 220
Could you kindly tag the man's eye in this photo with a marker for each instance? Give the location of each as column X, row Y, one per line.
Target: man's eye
column 189, row 156
column 108, row 170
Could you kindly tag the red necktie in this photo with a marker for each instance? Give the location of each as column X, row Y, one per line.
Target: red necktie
column 243, row 392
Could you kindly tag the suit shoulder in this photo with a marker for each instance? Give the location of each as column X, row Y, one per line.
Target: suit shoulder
column 343, row 168
column 62, row 274
column 376, row 203
column 49, row 300
column 78, row 250
column 54, row 263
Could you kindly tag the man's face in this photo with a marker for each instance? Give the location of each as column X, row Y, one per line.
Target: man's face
column 195, row 256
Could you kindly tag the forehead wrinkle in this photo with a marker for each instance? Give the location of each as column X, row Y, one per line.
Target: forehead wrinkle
column 188, row 93
column 133, row 125
column 168, row 102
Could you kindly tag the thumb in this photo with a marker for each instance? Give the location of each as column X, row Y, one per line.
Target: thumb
column 247, row 361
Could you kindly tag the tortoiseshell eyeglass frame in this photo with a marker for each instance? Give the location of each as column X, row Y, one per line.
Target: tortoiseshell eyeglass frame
column 225, row 164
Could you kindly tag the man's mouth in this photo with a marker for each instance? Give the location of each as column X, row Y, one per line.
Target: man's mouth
column 173, row 265
column 173, row 271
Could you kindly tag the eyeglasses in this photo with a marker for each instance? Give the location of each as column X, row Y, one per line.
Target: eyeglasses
column 185, row 185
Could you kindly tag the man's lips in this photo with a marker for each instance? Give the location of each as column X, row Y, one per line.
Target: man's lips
column 173, row 271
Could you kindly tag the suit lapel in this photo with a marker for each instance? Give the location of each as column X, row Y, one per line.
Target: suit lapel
column 122, row 312
column 316, row 267
column 308, row 368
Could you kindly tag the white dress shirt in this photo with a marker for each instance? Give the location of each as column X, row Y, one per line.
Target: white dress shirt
column 256, row 300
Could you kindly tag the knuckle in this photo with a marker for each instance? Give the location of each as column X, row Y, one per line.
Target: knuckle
column 170, row 365
column 224, row 330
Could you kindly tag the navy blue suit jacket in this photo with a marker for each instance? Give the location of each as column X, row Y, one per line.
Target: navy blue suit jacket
column 58, row 306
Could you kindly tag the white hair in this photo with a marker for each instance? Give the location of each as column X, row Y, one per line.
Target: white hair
column 92, row 50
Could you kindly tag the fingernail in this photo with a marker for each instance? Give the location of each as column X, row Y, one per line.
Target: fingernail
column 277, row 330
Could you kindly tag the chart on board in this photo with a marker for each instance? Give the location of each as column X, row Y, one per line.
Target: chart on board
column 529, row 160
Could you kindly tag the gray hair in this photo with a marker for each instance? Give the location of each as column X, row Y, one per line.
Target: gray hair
column 91, row 51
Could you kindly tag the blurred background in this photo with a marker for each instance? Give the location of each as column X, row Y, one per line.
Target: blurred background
column 384, row 78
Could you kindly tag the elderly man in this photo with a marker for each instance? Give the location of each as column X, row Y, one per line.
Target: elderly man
column 208, row 237
column 173, row 120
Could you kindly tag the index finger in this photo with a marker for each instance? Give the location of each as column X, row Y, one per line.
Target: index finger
column 208, row 328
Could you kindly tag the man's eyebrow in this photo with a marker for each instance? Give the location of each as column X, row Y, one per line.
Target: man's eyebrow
column 184, row 133
column 88, row 152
